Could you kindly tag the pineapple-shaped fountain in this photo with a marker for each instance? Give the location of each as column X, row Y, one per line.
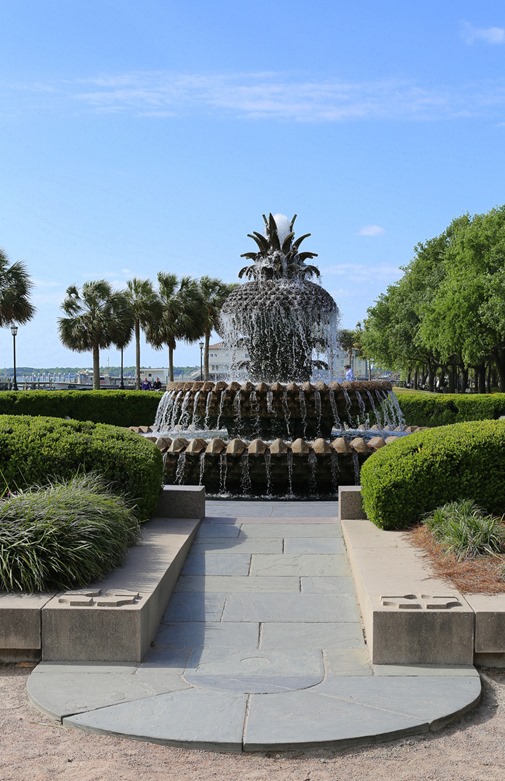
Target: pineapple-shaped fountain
column 284, row 431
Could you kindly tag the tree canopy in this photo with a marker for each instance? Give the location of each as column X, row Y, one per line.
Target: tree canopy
column 181, row 315
column 15, row 288
column 95, row 317
column 447, row 313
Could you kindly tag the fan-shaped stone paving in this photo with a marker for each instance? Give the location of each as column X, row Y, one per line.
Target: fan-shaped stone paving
column 261, row 647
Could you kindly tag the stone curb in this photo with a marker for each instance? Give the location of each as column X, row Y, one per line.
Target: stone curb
column 115, row 619
column 411, row 616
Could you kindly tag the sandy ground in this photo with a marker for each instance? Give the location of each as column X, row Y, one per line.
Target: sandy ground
column 34, row 748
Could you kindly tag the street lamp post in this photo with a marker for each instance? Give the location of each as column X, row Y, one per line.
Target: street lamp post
column 201, row 361
column 121, row 382
column 14, row 332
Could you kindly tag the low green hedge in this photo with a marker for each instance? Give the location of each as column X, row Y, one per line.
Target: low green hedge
column 425, row 470
column 34, row 450
column 119, row 408
column 422, row 409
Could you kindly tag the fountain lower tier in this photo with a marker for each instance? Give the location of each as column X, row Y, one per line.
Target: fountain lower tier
column 299, row 468
column 276, row 410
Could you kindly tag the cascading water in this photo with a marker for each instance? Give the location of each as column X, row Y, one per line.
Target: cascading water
column 270, row 431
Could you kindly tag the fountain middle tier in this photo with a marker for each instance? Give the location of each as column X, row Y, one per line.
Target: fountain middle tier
column 276, row 410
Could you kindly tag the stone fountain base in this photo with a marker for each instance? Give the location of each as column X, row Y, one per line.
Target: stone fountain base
column 272, row 439
column 300, row 468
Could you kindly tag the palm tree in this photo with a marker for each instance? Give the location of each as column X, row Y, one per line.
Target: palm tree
column 182, row 315
column 15, row 287
column 214, row 292
column 95, row 318
column 121, row 341
column 145, row 306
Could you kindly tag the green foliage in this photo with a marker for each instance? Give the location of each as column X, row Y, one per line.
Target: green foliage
column 35, row 450
column 464, row 529
column 15, row 289
column 119, row 408
column 422, row 409
column 427, row 469
column 447, row 310
column 95, row 317
column 391, row 332
column 64, row 535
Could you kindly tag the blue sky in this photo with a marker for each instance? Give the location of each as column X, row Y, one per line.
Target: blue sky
column 139, row 137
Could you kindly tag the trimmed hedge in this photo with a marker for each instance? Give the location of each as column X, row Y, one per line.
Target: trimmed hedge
column 422, row 409
column 118, row 408
column 427, row 469
column 36, row 450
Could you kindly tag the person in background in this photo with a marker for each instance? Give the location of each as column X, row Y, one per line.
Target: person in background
column 349, row 374
column 157, row 384
column 146, row 385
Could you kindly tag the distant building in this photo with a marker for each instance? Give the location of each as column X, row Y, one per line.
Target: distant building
column 220, row 359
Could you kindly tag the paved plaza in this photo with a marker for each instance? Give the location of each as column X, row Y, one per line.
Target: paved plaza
column 261, row 647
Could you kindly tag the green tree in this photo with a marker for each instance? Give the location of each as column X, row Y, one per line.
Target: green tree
column 15, row 288
column 214, row 293
column 467, row 312
column 181, row 315
column 121, row 341
column 346, row 339
column 392, row 333
column 146, row 307
column 95, row 318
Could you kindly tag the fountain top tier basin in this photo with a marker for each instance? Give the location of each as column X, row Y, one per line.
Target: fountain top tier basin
column 271, row 410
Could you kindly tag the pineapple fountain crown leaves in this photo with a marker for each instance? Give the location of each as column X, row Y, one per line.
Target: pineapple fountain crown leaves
column 278, row 256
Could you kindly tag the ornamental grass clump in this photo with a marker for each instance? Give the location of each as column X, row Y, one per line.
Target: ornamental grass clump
column 465, row 530
column 64, row 535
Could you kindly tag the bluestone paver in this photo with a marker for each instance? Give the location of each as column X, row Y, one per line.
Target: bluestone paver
column 327, row 585
column 309, row 608
column 314, row 545
column 257, row 671
column 215, row 563
column 310, row 635
column 199, row 634
column 289, row 530
column 319, row 564
column 210, row 583
column 196, row 718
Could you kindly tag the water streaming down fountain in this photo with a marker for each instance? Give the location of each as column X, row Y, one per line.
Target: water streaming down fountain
column 270, row 431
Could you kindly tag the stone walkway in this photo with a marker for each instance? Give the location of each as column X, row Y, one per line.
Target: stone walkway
column 260, row 648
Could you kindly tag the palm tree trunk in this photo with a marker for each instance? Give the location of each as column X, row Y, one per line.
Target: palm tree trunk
column 137, row 355
column 96, row 367
column 206, row 356
column 171, row 363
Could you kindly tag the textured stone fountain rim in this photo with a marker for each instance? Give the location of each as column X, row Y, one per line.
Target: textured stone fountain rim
column 176, row 445
column 278, row 387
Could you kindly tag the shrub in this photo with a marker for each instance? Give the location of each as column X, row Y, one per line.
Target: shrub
column 34, row 450
column 118, row 408
column 427, row 469
column 464, row 529
column 422, row 409
column 63, row 536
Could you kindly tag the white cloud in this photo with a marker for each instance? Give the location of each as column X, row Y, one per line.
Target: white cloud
column 363, row 272
column 259, row 96
column 371, row 230
column 491, row 35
